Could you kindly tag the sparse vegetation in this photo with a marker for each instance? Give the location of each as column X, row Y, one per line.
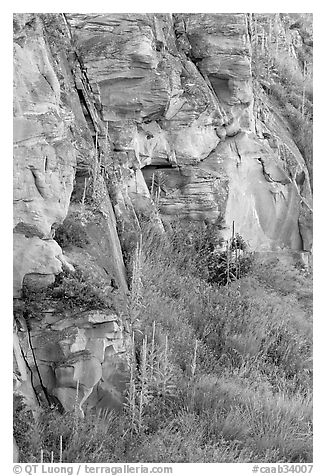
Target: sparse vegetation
column 71, row 232
column 199, row 250
column 71, row 291
column 55, row 28
column 282, row 63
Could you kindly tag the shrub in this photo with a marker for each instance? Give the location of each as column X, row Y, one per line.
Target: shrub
column 218, row 373
column 55, row 31
column 259, row 316
column 70, row 292
column 71, row 232
column 196, row 248
column 75, row 290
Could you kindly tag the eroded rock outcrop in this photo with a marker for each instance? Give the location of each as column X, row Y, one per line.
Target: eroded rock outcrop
column 117, row 115
column 63, row 349
column 177, row 94
column 77, row 352
column 44, row 157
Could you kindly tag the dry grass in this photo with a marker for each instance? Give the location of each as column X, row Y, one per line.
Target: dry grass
column 217, row 374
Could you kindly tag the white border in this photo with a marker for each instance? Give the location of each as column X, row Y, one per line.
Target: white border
column 319, row 194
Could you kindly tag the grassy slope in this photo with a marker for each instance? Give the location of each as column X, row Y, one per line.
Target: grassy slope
column 243, row 395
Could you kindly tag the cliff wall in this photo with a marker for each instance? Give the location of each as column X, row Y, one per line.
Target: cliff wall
column 117, row 115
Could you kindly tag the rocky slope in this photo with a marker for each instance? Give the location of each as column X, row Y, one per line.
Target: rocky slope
column 121, row 115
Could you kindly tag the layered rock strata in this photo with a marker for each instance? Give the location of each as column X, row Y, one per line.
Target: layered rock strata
column 177, row 94
column 118, row 115
column 60, row 350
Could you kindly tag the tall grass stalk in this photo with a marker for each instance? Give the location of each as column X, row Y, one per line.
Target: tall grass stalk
column 165, row 366
column 131, row 397
column 95, row 168
column 220, row 374
column 77, row 411
column 136, row 282
column 152, row 354
column 194, row 360
column 191, row 382
column 143, row 382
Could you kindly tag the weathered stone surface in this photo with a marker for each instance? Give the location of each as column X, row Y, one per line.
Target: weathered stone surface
column 35, row 256
column 275, row 132
column 104, row 244
column 86, row 319
column 47, row 376
column 36, row 282
column 44, row 157
column 171, row 88
column 151, row 111
column 67, row 397
column 220, row 45
column 122, row 64
column 65, row 376
column 47, row 351
column 97, row 347
column 209, row 98
column 54, row 127
column 81, row 352
column 186, row 133
column 88, row 372
column 99, row 317
column 262, row 201
column 43, row 154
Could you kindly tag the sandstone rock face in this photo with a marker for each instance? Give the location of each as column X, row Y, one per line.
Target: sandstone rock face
column 177, row 94
column 119, row 115
column 44, row 158
column 54, row 155
column 262, row 204
column 158, row 108
column 35, row 256
column 74, row 355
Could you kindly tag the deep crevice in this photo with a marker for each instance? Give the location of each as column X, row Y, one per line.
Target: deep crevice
column 30, row 373
column 267, row 176
column 87, row 113
column 36, row 366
